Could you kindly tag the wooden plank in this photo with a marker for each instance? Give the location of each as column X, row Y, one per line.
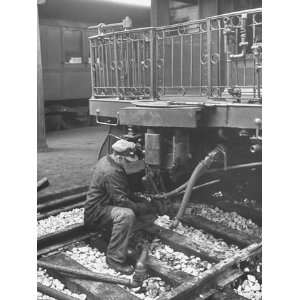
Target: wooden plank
column 227, row 294
column 67, row 233
column 208, row 278
column 93, row 290
column 174, row 277
column 218, row 230
column 180, row 242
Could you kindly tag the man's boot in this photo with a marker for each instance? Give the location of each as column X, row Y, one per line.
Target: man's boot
column 119, row 267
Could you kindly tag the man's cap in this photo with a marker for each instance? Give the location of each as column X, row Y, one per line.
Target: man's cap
column 125, row 148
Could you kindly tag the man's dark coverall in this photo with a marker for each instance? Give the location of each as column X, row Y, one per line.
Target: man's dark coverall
column 109, row 203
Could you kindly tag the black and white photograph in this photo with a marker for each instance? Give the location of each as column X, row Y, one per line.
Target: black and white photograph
column 149, row 141
column 147, row 126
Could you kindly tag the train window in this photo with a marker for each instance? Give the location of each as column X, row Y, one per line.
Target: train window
column 73, row 48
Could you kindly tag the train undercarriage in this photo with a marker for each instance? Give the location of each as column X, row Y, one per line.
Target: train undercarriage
column 185, row 94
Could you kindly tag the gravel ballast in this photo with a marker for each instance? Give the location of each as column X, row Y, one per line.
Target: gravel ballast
column 230, row 219
column 94, row 260
column 205, row 242
column 178, row 260
column 60, row 222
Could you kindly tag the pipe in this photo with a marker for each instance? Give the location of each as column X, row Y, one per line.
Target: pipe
column 236, row 167
column 243, row 43
column 180, row 189
column 126, row 24
column 227, row 31
column 256, row 48
column 200, row 169
column 88, row 275
column 241, row 54
column 53, row 292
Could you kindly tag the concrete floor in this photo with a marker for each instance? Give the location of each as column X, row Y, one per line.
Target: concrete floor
column 71, row 157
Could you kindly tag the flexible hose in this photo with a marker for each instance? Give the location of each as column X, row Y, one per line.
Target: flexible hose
column 200, row 169
column 197, row 187
column 89, row 275
column 179, row 189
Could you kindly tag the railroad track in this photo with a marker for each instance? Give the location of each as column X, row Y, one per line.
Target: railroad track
column 212, row 283
column 53, row 204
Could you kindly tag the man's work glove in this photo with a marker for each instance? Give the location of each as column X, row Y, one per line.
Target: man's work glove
column 144, row 207
column 161, row 206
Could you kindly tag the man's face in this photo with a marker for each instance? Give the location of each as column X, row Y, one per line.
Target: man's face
column 122, row 160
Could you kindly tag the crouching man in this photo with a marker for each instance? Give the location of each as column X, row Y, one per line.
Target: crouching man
column 109, row 203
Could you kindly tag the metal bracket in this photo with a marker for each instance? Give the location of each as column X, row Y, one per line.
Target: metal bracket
column 106, row 123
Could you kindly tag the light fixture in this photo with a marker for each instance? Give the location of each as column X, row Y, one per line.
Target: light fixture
column 145, row 3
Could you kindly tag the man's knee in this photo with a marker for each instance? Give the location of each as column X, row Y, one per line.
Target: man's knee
column 123, row 214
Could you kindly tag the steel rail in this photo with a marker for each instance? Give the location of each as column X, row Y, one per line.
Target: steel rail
column 53, row 292
column 61, row 194
column 62, row 201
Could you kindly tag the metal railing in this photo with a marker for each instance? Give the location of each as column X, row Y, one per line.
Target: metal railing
column 218, row 57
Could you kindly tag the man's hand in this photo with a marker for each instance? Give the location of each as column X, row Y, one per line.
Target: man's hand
column 161, row 206
column 144, row 207
column 147, row 204
column 140, row 197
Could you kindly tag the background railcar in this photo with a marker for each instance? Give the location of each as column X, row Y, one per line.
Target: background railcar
column 65, row 54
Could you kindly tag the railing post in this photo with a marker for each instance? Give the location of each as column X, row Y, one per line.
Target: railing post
column 116, row 64
column 153, row 69
column 209, row 92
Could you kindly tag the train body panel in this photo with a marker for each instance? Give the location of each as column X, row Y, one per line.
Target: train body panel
column 66, row 72
column 206, row 114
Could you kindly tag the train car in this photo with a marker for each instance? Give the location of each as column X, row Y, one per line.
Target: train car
column 65, row 53
column 66, row 68
column 189, row 94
